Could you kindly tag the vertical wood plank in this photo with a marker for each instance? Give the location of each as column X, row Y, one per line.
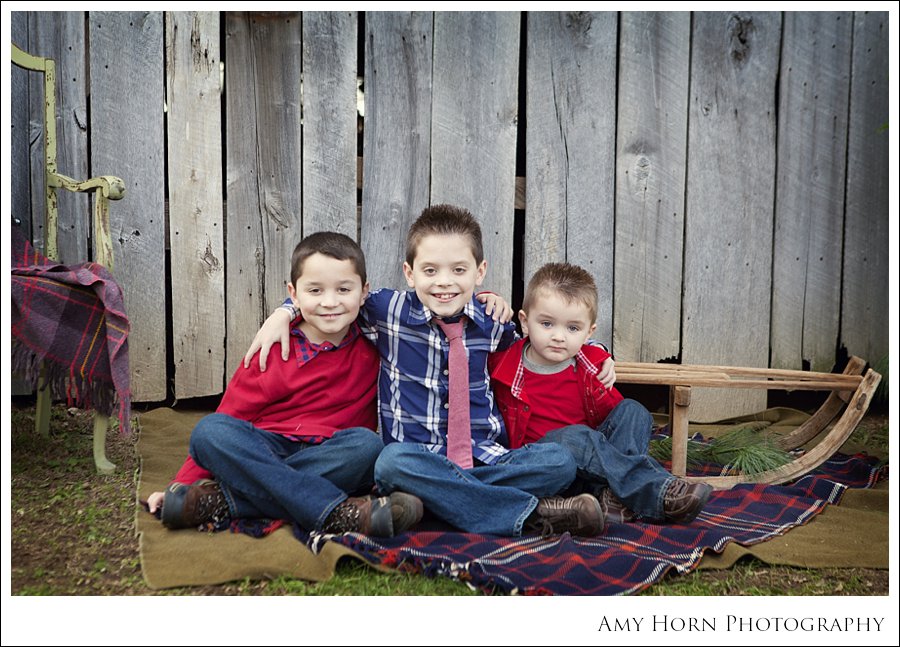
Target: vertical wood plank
column 195, row 201
column 329, row 122
column 474, row 117
column 654, row 64
column 127, row 140
column 731, row 183
column 60, row 35
column 262, row 88
column 397, row 138
column 570, row 144
column 809, row 204
column 864, row 323
column 20, row 158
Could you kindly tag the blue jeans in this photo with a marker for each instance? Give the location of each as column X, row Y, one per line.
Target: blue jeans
column 486, row 499
column 615, row 455
column 264, row 474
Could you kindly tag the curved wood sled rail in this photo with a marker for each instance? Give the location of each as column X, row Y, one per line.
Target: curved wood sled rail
column 849, row 391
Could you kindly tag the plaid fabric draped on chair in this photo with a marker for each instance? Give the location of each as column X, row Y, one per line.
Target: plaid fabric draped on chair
column 72, row 318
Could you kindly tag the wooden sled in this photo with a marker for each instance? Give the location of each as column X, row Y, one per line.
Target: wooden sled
column 851, row 391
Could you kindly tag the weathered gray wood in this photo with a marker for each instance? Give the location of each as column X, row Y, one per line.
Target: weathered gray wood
column 262, row 87
column 60, row 35
column 397, row 138
column 127, row 140
column 20, row 192
column 474, row 117
column 864, row 324
column 654, row 61
column 809, row 205
column 731, row 183
column 570, row 144
column 195, row 201
column 19, row 156
column 329, row 122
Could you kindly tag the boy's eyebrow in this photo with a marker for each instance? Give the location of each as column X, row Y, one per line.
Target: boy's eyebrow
column 547, row 315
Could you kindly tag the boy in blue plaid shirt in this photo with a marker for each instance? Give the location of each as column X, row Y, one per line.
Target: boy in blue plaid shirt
column 505, row 491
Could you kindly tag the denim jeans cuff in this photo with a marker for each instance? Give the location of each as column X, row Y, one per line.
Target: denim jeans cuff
column 520, row 522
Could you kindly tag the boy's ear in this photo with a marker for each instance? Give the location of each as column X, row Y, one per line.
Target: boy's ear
column 365, row 293
column 480, row 272
column 523, row 319
column 408, row 273
column 292, row 293
column 593, row 328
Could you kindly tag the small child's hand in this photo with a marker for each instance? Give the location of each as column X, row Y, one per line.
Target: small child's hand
column 275, row 329
column 155, row 501
column 607, row 374
column 495, row 306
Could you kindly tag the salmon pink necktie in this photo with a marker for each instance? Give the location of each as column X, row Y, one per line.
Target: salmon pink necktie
column 459, row 430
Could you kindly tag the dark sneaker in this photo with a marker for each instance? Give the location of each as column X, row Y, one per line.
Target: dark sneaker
column 189, row 506
column 581, row 515
column 684, row 500
column 379, row 517
column 616, row 511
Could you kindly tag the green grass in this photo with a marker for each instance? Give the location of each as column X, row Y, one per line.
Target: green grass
column 750, row 576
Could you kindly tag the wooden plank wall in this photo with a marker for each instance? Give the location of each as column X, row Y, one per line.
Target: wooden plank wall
column 654, row 62
column 329, row 122
column 864, row 316
column 473, row 137
column 397, row 136
column 128, row 140
column 20, row 115
column 264, row 188
column 809, row 205
column 60, row 35
column 570, row 147
column 695, row 163
column 731, row 190
column 196, row 234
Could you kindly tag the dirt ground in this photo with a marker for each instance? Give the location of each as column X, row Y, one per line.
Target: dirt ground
column 73, row 530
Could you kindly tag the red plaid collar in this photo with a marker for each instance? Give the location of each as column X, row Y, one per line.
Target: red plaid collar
column 307, row 350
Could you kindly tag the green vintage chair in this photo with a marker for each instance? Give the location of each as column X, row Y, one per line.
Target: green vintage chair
column 104, row 188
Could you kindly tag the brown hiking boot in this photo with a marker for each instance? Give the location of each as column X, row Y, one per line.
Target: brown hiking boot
column 189, row 506
column 684, row 500
column 379, row 517
column 616, row 511
column 581, row 515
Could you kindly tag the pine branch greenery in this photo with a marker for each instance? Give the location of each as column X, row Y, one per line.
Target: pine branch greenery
column 740, row 450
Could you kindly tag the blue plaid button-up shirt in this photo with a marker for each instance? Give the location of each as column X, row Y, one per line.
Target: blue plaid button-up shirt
column 413, row 385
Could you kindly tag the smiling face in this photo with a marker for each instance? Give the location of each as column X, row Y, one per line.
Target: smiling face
column 556, row 328
column 444, row 273
column 328, row 294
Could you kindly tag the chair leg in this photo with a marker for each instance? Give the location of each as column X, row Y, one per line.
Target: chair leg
column 42, row 407
column 101, row 424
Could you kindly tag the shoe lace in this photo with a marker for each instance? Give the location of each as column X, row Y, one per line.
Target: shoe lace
column 344, row 518
column 212, row 507
column 677, row 489
column 556, row 517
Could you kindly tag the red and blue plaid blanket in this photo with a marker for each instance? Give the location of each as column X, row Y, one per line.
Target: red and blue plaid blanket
column 71, row 319
column 627, row 558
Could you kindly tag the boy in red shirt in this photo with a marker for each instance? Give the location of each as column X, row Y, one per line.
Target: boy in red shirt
column 548, row 391
column 292, row 442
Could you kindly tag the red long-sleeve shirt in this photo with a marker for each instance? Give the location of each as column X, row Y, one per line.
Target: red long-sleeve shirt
column 316, row 392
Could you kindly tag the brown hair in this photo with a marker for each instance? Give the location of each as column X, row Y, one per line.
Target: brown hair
column 574, row 283
column 444, row 219
column 331, row 244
